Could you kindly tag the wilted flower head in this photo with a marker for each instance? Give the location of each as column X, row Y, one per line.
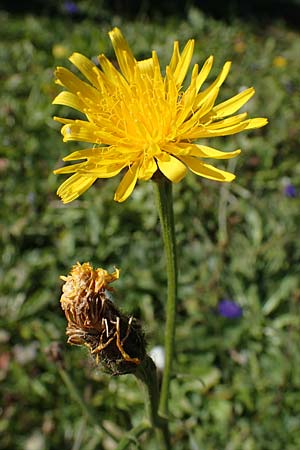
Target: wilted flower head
column 144, row 122
column 230, row 309
column 115, row 339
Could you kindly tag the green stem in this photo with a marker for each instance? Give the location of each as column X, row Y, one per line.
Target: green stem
column 166, row 215
column 147, row 373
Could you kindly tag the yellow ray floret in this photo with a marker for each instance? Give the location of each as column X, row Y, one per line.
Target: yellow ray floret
column 140, row 121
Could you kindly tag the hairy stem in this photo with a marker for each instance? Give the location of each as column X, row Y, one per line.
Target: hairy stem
column 166, row 215
column 147, row 373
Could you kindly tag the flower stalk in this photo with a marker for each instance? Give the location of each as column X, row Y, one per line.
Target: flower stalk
column 147, row 374
column 164, row 200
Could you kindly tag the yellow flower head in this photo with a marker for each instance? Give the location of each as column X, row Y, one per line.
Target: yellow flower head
column 143, row 122
column 279, row 61
column 59, row 51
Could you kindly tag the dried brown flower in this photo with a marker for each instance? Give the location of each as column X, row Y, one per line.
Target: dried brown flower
column 114, row 339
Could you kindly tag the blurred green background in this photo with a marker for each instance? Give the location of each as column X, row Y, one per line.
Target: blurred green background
column 236, row 381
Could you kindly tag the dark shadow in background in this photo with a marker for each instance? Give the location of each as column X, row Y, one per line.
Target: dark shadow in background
column 263, row 11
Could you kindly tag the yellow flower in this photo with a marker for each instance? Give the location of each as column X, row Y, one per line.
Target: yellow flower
column 59, row 51
column 279, row 61
column 144, row 122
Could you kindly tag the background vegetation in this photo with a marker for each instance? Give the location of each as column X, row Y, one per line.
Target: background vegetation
column 237, row 382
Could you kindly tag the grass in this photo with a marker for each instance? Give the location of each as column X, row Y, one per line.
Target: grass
column 237, row 381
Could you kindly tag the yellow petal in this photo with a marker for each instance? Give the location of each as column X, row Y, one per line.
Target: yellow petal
column 85, row 131
column 172, row 168
column 201, row 151
column 113, row 78
column 74, row 186
column 206, row 170
column 258, row 122
column 204, row 108
column 188, row 98
column 104, row 170
column 69, row 169
column 123, row 53
column 204, row 72
column 206, row 132
column 147, row 169
column 79, row 131
column 175, row 57
column 127, row 184
column 228, row 122
column 216, row 84
column 74, row 84
column 222, row 75
column 62, row 120
column 184, row 62
column 104, row 156
column 86, row 67
column 158, row 82
column 85, row 154
column 146, row 66
column 68, row 99
column 209, row 152
column 233, row 104
column 218, row 128
column 172, row 91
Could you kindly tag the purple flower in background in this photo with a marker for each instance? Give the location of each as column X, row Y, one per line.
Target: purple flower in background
column 230, row 309
column 290, row 190
column 70, row 7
